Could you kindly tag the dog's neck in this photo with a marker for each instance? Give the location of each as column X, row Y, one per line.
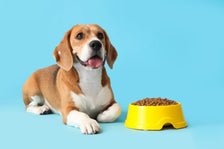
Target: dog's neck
column 90, row 80
column 88, row 74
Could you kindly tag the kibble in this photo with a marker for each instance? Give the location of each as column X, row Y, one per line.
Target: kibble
column 154, row 102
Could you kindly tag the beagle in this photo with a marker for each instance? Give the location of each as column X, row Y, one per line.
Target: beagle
column 78, row 86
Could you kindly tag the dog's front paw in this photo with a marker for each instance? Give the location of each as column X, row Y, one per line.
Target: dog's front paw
column 83, row 121
column 89, row 126
column 111, row 114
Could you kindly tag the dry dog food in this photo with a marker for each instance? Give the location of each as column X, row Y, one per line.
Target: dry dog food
column 154, row 102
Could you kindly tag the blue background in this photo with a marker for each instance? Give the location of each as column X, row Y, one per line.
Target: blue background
column 172, row 49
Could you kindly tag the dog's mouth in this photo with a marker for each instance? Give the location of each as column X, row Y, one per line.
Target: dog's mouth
column 94, row 62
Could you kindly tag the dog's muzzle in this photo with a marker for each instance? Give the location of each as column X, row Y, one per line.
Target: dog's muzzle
column 94, row 62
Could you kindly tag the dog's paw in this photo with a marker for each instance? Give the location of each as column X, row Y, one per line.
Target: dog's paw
column 39, row 109
column 83, row 121
column 111, row 114
column 89, row 126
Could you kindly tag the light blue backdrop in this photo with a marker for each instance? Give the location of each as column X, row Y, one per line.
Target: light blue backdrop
column 172, row 49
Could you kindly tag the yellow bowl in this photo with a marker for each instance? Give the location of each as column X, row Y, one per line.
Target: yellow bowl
column 155, row 117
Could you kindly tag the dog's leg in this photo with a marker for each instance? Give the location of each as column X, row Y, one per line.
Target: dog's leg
column 33, row 98
column 83, row 121
column 111, row 114
column 37, row 106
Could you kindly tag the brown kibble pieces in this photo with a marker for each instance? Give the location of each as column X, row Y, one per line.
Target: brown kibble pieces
column 154, row 102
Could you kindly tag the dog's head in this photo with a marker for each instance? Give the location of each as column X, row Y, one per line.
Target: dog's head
column 88, row 45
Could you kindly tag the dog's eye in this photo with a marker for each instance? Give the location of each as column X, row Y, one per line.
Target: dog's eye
column 100, row 35
column 80, row 36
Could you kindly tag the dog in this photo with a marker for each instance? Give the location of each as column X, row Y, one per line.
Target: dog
column 77, row 87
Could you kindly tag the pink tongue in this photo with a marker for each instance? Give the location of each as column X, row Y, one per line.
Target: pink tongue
column 95, row 62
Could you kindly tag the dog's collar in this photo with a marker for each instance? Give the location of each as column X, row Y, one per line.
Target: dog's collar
column 83, row 63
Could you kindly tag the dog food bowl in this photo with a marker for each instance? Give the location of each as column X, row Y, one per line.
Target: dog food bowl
column 155, row 117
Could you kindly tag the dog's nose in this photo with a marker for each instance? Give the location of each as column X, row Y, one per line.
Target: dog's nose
column 95, row 45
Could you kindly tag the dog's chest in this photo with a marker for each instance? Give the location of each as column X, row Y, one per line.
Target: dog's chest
column 95, row 97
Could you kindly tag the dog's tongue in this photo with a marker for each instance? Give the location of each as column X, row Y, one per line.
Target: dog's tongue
column 95, row 62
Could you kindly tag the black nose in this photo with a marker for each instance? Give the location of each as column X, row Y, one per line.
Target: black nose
column 95, row 45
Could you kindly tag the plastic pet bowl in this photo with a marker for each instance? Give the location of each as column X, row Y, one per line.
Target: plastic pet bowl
column 155, row 117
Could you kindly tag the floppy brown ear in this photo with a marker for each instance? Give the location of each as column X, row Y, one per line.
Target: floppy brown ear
column 111, row 56
column 63, row 53
column 111, row 52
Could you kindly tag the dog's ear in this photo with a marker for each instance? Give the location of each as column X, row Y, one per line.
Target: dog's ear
column 111, row 56
column 63, row 53
column 111, row 52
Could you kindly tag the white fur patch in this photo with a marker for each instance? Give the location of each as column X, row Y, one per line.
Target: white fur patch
column 92, row 105
column 83, row 121
column 111, row 114
column 37, row 100
column 79, row 100
column 95, row 97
